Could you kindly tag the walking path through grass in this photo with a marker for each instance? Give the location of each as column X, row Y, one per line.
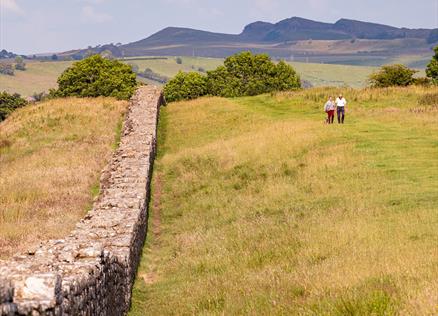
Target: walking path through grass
column 263, row 209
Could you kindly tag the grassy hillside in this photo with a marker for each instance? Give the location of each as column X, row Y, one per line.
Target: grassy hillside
column 38, row 77
column 41, row 76
column 51, row 156
column 260, row 208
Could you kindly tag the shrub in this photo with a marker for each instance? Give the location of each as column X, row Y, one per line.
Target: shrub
column 97, row 76
column 422, row 81
column 8, row 103
column 392, row 75
column 19, row 63
column 242, row 74
column 179, row 60
column 151, row 75
column 185, row 86
column 6, row 69
column 432, row 67
column 246, row 74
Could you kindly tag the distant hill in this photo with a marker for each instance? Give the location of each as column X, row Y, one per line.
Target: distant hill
column 282, row 39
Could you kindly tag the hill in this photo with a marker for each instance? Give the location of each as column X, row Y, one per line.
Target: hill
column 283, row 39
column 260, row 208
column 51, row 156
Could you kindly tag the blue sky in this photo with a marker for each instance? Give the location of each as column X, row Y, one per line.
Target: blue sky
column 36, row 26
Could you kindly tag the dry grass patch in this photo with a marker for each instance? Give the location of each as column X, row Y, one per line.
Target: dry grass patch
column 51, row 155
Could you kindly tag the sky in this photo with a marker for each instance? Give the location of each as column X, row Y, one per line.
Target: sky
column 44, row 26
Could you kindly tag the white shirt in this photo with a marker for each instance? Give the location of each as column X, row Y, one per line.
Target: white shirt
column 341, row 102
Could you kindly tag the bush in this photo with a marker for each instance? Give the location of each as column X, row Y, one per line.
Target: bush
column 97, row 76
column 179, row 60
column 19, row 63
column 242, row 74
column 6, row 69
column 185, row 86
column 422, row 81
column 9, row 103
column 432, row 67
column 246, row 74
column 392, row 75
column 151, row 75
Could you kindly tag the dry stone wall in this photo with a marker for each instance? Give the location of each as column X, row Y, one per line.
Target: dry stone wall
column 91, row 271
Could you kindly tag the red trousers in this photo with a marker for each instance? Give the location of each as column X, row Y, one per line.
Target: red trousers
column 331, row 116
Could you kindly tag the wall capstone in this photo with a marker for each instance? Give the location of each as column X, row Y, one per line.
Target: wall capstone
column 91, row 271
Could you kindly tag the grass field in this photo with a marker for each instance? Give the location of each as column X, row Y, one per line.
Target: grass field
column 41, row 76
column 38, row 77
column 258, row 208
column 51, row 156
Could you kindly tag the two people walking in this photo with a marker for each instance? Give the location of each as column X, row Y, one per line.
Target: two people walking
column 338, row 105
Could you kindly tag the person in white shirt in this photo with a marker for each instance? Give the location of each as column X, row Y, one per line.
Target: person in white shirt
column 340, row 108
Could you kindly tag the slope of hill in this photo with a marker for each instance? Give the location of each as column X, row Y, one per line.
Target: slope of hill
column 51, row 156
column 258, row 208
column 279, row 40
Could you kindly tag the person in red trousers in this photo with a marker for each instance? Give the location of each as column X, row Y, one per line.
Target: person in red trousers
column 329, row 108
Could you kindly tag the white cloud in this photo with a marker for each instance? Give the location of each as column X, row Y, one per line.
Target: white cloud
column 11, row 6
column 89, row 14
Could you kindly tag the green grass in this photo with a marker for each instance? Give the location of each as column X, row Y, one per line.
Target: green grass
column 260, row 208
column 38, row 77
column 42, row 76
column 334, row 75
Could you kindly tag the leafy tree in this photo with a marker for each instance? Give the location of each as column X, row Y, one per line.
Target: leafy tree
column 185, row 86
column 107, row 54
column 9, row 103
column 6, row 69
column 97, row 76
column 247, row 74
column 242, row 74
column 432, row 67
column 392, row 75
column 54, row 57
column 19, row 63
column 179, row 60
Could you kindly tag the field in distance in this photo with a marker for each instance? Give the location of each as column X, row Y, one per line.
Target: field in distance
column 259, row 208
column 41, row 76
column 51, row 156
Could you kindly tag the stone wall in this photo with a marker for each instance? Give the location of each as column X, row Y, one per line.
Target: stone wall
column 91, row 271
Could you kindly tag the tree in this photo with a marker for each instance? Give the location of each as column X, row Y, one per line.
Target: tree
column 432, row 67
column 54, row 57
column 185, row 86
column 9, row 103
column 392, row 75
column 246, row 74
column 6, row 69
column 107, row 54
column 97, row 76
column 179, row 60
column 19, row 63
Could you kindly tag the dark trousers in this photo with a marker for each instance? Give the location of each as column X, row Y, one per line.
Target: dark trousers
column 340, row 112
